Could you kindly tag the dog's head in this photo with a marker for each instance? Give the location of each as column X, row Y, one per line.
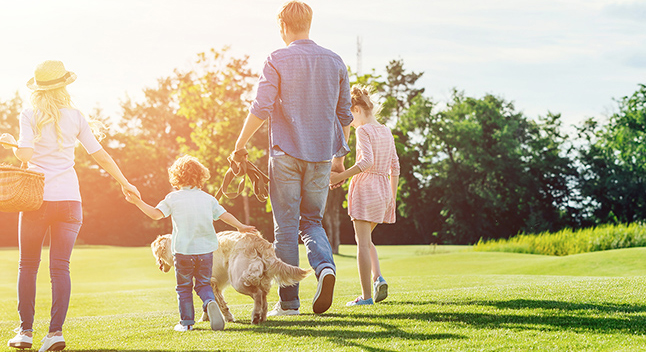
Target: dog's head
column 162, row 252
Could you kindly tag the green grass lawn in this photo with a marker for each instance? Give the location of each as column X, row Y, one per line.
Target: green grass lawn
column 441, row 299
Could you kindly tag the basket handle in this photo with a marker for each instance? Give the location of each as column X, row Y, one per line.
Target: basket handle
column 10, row 144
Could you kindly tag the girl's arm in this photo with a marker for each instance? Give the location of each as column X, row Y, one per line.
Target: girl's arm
column 152, row 213
column 107, row 163
column 365, row 158
column 338, row 177
column 394, row 181
column 231, row 220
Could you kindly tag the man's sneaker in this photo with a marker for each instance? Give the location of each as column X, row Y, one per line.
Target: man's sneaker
column 278, row 311
column 215, row 316
column 54, row 343
column 359, row 302
column 180, row 327
column 381, row 289
column 324, row 291
column 21, row 340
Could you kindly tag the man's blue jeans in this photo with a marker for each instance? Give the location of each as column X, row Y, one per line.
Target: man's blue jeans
column 187, row 267
column 298, row 191
column 63, row 219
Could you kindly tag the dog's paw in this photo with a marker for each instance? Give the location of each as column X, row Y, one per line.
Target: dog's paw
column 229, row 318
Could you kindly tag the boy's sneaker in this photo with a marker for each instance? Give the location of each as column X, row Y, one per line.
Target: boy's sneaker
column 20, row 340
column 380, row 289
column 215, row 316
column 180, row 327
column 324, row 291
column 54, row 343
column 278, row 311
column 359, row 302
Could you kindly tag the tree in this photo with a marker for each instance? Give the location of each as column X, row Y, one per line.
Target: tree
column 490, row 172
column 613, row 159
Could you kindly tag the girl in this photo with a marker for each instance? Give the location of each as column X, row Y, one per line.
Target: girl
column 48, row 134
column 372, row 193
column 193, row 240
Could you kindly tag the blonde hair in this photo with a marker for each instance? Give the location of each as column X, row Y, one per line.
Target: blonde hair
column 363, row 97
column 188, row 171
column 47, row 105
column 296, row 15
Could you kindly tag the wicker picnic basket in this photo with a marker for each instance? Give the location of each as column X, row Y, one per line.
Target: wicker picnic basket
column 20, row 189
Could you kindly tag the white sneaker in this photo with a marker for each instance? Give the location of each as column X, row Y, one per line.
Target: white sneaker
column 324, row 291
column 278, row 311
column 215, row 316
column 20, row 341
column 380, row 289
column 182, row 328
column 54, row 343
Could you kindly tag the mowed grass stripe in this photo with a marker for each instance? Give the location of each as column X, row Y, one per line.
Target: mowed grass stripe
column 440, row 300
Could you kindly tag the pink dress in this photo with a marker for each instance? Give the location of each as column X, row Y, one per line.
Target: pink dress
column 370, row 197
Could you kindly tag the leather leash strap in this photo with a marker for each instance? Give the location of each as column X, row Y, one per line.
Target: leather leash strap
column 239, row 166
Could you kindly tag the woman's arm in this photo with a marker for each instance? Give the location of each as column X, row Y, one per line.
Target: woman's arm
column 107, row 163
column 23, row 154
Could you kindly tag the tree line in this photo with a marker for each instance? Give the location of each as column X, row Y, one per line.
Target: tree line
column 471, row 167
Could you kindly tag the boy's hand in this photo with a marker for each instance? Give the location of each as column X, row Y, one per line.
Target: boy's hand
column 247, row 228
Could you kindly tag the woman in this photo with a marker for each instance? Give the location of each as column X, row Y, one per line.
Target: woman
column 48, row 134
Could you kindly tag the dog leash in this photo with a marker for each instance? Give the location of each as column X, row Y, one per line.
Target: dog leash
column 240, row 166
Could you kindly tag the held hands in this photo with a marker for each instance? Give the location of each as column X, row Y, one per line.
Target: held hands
column 130, row 191
column 337, row 168
column 335, row 180
column 8, row 141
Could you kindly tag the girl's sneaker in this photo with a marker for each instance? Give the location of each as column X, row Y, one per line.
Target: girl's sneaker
column 381, row 289
column 180, row 327
column 359, row 302
column 21, row 340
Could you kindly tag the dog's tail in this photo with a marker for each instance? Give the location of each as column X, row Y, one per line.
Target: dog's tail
column 285, row 274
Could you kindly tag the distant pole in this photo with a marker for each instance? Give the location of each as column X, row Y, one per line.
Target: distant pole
column 359, row 56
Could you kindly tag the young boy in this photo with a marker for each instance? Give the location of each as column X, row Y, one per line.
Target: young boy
column 193, row 239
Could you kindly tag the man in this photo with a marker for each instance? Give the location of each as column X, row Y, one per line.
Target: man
column 304, row 92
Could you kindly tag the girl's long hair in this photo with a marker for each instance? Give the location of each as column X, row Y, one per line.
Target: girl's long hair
column 47, row 105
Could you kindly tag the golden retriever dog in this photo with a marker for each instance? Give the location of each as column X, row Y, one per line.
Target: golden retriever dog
column 247, row 261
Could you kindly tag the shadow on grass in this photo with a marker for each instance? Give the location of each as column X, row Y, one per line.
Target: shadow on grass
column 542, row 315
column 345, row 330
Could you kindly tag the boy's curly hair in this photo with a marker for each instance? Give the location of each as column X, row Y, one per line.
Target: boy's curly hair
column 188, row 171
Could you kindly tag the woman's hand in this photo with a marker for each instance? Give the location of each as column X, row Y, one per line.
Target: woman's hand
column 8, row 141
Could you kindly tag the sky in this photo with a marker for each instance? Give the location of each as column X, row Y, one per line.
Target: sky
column 574, row 57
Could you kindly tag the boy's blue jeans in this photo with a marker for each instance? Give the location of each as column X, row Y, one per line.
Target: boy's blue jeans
column 187, row 267
column 298, row 191
column 63, row 219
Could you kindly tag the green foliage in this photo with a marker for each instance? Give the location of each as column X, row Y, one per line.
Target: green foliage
column 613, row 158
column 568, row 241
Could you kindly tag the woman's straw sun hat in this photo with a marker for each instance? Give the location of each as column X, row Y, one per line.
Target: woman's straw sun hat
column 50, row 74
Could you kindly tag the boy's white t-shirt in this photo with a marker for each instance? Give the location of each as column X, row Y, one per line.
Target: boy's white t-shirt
column 192, row 213
column 61, row 182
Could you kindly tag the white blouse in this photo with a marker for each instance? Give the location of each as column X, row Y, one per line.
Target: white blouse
column 61, row 182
